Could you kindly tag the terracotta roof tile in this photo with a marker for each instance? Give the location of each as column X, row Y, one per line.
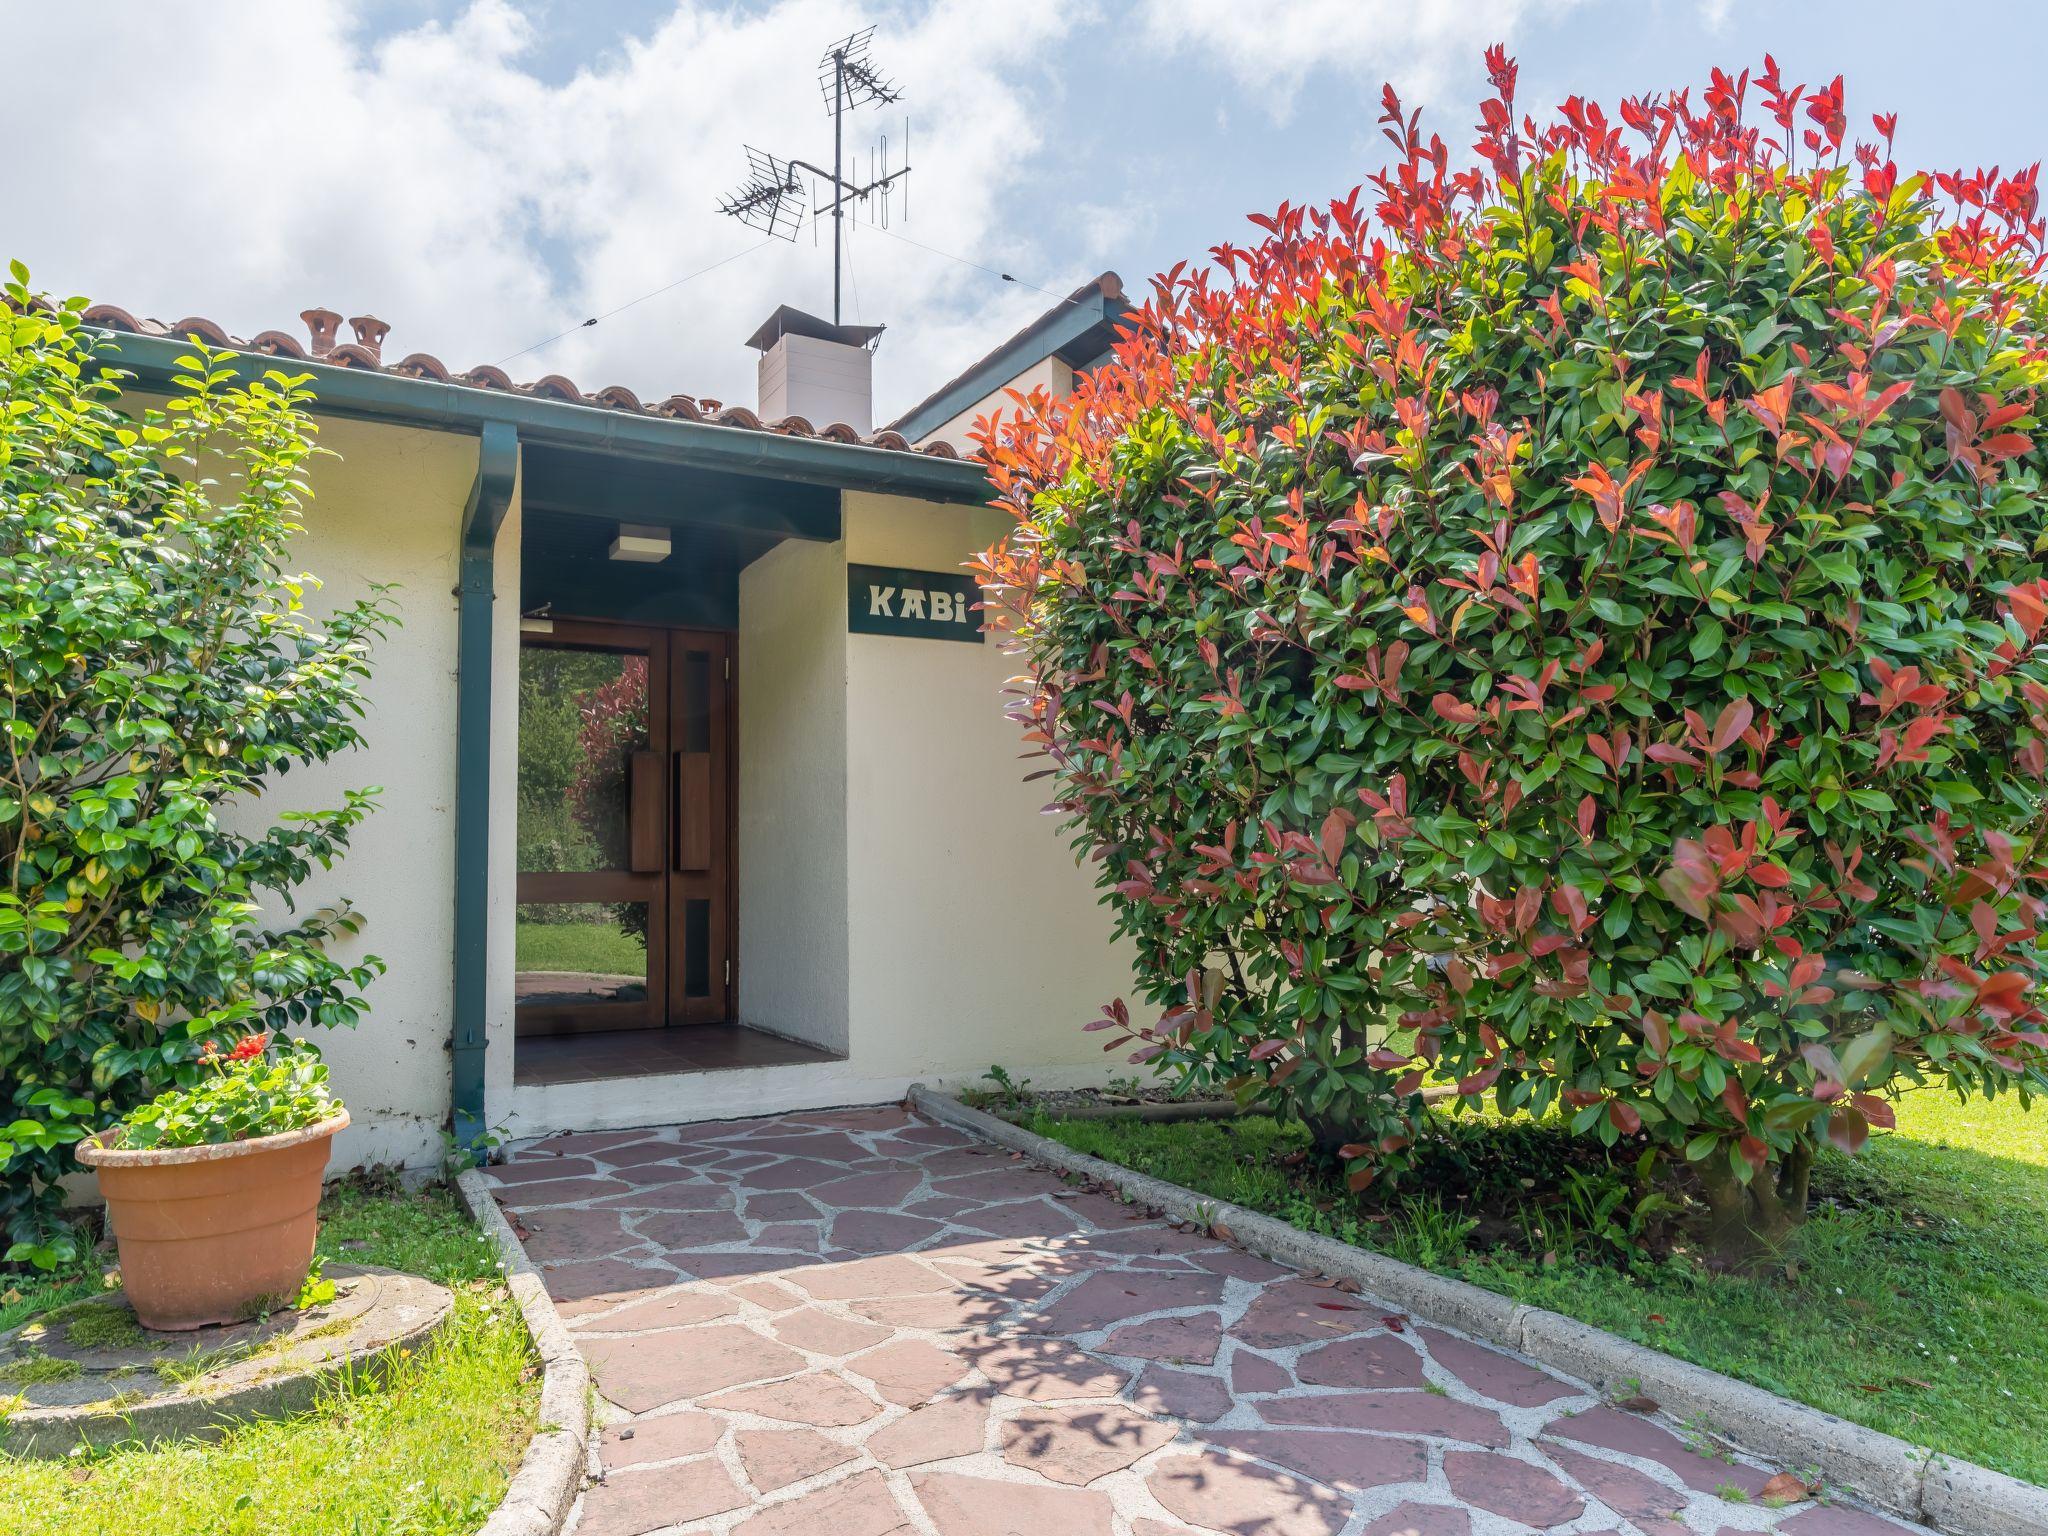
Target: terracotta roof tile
column 365, row 350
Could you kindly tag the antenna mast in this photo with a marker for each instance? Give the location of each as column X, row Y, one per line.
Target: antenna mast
column 772, row 199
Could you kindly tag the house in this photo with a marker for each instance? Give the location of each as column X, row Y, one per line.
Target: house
column 698, row 797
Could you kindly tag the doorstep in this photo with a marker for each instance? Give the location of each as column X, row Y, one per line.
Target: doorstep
column 540, row 1060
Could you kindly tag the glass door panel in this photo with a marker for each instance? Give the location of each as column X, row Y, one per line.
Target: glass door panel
column 593, row 903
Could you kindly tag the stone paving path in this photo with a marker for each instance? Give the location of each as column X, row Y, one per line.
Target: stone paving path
column 861, row 1324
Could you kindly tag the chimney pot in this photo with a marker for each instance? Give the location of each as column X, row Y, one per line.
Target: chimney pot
column 370, row 332
column 325, row 325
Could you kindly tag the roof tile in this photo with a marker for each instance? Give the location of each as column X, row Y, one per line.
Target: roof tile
column 365, row 350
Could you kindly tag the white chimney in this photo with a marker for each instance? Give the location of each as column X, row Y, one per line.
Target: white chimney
column 817, row 370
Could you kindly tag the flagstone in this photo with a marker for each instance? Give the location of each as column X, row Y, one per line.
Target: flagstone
column 544, row 1192
column 1421, row 1520
column 570, row 1234
column 938, row 1431
column 885, row 1118
column 533, row 1165
column 823, row 1333
column 775, row 1458
column 1021, row 1218
column 644, row 1370
column 684, row 1230
column 995, row 1184
column 741, row 1263
column 770, row 1295
column 1376, row 1360
column 1226, row 1495
column 598, row 1283
column 1081, row 1443
column 1515, row 1490
column 1402, row 1412
column 1291, row 1312
column 781, row 1205
column 1255, row 1373
column 575, row 1142
column 1493, row 1374
column 927, row 1135
column 1182, row 1394
column 947, row 1311
column 655, row 1498
column 678, row 1308
column 1186, row 1340
column 874, row 1190
column 1839, row 1520
column 1239, row 1265
column 745, row 1349
column 659, row 1437
column 881, row 1231
column 1046, row 1370
column 635, row 1153
column 865, row 1279
column 860, row 1505
column 1350, row 1462
column 1110, row 1296
column 910, row 1371
column 661, row 1188
column 817, row 1398
column 1613, row 1430
column 977, row 1506
column 779, row 1173
column 1631, row 1494
column 1148, row 1241
column 789, row 1236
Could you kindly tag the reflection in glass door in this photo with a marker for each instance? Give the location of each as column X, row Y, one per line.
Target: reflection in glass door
column 624, row 868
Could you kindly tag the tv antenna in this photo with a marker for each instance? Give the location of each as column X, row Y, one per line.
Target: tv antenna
column 772, row 197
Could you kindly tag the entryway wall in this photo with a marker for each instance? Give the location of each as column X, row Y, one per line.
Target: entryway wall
column 790, row 678
column 902, row 899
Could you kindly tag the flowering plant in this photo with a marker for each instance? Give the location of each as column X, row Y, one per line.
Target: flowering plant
column 1575, row 626
column 252, row 1091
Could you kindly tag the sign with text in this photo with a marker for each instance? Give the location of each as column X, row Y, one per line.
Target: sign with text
column 927, row 605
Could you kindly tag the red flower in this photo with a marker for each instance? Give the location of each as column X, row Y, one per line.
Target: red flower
column 249, row 1046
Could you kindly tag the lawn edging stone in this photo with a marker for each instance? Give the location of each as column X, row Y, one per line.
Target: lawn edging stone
column 543, row 1491
column 1957, row 1498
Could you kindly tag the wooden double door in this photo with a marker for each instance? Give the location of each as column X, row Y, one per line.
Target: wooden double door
column 625, row 882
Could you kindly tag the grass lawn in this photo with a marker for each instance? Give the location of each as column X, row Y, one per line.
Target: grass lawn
column 594, row 949
column 430, row 1456
column 1915, row 1300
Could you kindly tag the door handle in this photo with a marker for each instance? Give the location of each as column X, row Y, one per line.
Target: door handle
column 643, row 812
column 692, row 812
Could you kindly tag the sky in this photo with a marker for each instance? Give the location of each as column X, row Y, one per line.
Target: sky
column 484, row 175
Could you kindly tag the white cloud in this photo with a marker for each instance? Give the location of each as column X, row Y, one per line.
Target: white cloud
column 244, row 160
column 1420, row 45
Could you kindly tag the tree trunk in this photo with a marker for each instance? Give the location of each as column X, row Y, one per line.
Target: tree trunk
column 1750, row 1223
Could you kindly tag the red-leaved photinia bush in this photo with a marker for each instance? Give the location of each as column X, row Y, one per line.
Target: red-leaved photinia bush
column 1573, row 623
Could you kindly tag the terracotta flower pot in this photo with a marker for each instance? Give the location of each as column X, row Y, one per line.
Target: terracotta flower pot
column 212, row 1234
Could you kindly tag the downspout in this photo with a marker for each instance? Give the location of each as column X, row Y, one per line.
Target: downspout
column 489, row 501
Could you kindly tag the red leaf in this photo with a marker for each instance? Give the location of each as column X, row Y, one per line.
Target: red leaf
column 1848, row 1130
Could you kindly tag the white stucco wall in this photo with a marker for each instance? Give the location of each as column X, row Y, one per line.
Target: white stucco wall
column 1047, row 373
column 388, row 510
column 504, row 857
column 975, row 938
column 791, row 692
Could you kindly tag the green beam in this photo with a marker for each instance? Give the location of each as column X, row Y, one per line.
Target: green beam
column 490, row 498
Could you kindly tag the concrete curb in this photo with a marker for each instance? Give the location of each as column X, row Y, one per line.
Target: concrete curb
column 550, row 1475
column 1958, row 1498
